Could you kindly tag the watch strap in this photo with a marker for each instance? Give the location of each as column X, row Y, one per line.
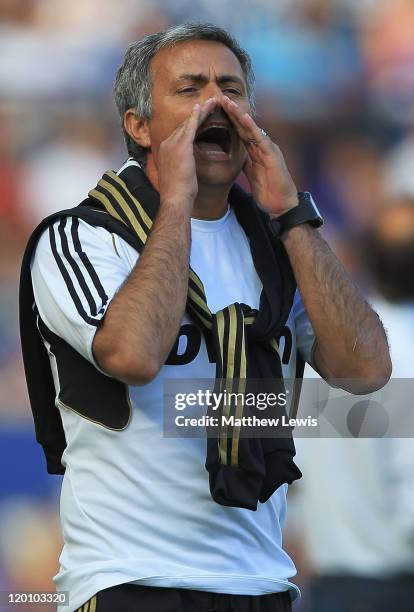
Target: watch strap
column 305, row 212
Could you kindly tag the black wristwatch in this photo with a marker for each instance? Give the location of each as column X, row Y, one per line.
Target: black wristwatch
column 305, row 212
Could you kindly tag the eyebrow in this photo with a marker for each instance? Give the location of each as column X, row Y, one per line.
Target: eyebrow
column 203, row 79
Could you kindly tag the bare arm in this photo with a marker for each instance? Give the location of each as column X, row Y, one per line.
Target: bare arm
column 143, row 319
column 351, row 342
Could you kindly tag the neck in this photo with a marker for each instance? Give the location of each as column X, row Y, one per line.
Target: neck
column 211, row 200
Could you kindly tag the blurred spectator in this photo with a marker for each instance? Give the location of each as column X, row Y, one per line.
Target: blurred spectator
column 398, row 168
column 350, row 182
column 60, row 173
column 387, row 39
column 355, row 504
column 390, row 257
column 11, row 225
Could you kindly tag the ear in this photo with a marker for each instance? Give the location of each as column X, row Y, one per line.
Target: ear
column 137, row 128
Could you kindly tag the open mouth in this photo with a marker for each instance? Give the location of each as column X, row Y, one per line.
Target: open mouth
column 214, row 139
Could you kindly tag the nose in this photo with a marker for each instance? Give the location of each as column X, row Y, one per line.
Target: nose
column 213, row 90
column 217, row 112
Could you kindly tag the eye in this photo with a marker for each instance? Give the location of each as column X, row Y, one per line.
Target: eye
column 233, row 91
column 187, row 90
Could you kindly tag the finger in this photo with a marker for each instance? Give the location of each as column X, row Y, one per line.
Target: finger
column 192, row 119
column 245, row 125
column 236, row 116
column 195, row 120
column 207, row 108
column 188, row 128
column 255, row 133
column 187, row 125
column 248, row 168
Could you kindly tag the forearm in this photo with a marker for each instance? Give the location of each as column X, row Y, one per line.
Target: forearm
column 144, row 317
column 351, row 342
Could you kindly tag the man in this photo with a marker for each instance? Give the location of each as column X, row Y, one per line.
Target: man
column 141, row 528
column 371, row 504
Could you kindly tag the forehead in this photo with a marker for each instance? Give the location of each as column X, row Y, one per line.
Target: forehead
column 194, row 57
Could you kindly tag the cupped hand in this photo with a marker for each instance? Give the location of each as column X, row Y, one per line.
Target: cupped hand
column 177, row 176
column 272, row 186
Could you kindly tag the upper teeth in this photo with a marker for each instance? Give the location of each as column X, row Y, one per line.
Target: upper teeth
column 213, row 125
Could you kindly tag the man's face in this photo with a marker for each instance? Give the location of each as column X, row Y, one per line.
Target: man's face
column 190, row 73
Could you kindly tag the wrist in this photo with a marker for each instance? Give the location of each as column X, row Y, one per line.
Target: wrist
column 304, row 212
column 179, row 205
column 289, row 204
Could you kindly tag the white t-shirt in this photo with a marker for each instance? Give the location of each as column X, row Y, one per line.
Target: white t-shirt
column 136, row 506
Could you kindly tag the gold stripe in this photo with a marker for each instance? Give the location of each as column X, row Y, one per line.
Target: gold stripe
column 237, row 430
column 145, row 217
column 114, row 245
column 139, row 230
column 231, row 346
column 241, row 389
column 222, row 441
column 249, row 320
column 104, row 200
column 207, row 324
column 197, row 281
column 231, row 360
column 99, row 210
column 273, row 343
column 93, row 604
column 86, row 607
column 243, row 359
column 197, row 300
column 220, row 331
column 239, row 408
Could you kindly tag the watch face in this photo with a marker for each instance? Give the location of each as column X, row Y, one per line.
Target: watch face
column 312, row 201
column 305, row 212
column 315, row 217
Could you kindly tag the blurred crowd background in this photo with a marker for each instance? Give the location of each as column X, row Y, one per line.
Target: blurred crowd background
column 335, row 89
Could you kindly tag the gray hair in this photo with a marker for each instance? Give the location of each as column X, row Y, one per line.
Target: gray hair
column 133, row 82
